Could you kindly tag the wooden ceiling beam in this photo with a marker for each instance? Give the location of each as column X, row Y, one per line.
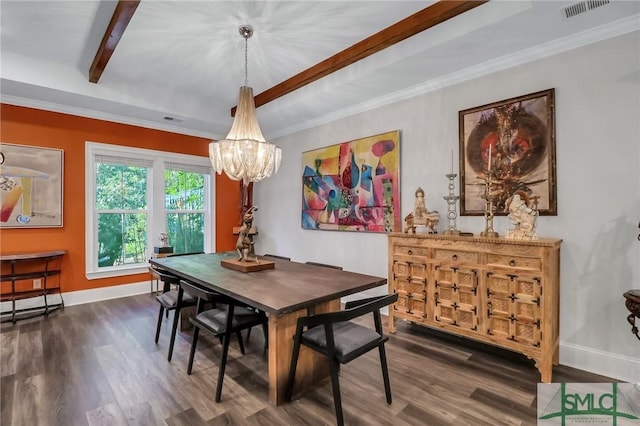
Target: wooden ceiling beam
column 119, row 21
column 401, row 30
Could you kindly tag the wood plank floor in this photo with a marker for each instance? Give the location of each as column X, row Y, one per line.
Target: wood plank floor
column 97, row 364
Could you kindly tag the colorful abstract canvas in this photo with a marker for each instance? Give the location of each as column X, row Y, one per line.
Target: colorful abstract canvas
column 353, row 186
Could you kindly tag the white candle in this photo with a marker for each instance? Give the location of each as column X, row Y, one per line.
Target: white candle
column 489, row 166
column 451, row 161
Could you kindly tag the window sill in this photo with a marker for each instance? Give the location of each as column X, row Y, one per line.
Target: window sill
column 117, row 271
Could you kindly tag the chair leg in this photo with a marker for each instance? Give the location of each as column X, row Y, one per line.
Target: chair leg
column 292, row 369
column 194, row 342
column 335, row 385
column 174, row 329
column 385, row 373
column 239, row 336
column 248, row 334
column 223, row 364
column 159, row 323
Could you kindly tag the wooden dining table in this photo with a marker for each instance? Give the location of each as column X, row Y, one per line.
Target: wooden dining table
column 288, row 291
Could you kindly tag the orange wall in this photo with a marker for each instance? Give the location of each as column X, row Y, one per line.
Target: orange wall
column 27, row 126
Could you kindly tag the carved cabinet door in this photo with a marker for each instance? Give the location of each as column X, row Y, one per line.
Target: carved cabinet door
column 411, row 285
column 513, row 307
column 456, row 296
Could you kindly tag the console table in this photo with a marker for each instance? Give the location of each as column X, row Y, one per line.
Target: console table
column 30, row 275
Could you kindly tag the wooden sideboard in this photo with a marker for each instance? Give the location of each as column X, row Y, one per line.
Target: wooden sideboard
column 19, row 274
column 493, row 290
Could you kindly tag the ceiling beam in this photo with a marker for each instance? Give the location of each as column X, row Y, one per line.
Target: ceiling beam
column 119, row 21
column 401, row 30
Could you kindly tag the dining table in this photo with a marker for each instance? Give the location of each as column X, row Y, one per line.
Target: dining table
column 286, row 292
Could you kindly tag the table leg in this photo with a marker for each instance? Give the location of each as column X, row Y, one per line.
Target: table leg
column 312, row 367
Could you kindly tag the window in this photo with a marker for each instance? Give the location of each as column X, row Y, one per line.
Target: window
column 121, row 209
column 132, row 196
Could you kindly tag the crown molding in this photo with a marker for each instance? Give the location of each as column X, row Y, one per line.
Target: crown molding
column 100, row 115
column 584, row 38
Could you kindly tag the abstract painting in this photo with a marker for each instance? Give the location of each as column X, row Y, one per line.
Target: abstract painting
column 353, row 186
column 515, row 138
column 30, row 186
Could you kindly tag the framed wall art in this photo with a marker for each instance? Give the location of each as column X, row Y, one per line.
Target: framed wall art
column 353, row 186
column 30, row 186
column 516, row 138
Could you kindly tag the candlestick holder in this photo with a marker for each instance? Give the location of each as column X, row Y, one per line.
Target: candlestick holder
column 451, row 200
column 489, row 198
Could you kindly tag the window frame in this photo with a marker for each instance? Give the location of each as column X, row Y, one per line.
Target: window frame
column 155, row 202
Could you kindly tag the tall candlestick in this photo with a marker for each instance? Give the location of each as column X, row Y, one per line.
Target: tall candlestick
column 489, row 165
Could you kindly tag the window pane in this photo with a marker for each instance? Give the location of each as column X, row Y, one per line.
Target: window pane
column 135, row 234
column 184, row 190
column 186, row 232
column 121, row 187
column 108, row 186
column 135, row 189
column 122, row 238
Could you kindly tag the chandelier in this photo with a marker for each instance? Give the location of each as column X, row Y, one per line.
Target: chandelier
column 244, row 154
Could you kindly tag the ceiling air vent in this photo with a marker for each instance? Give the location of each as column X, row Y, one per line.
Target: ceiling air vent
column 174, row 119
column 582, row 7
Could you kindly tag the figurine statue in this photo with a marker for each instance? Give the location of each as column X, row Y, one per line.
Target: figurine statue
column 245, row 237
column 523, row 215
column 409, row 226
column 422, row 216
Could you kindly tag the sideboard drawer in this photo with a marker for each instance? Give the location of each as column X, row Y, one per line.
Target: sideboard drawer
column 456, row 255
column 411, row 251
column 520, row 262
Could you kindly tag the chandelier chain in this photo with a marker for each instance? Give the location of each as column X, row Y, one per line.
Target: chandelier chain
column 246, row 72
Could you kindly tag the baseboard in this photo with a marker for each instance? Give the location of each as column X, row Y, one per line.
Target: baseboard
column 80, row 297
column 105, row 293
column 607, row 364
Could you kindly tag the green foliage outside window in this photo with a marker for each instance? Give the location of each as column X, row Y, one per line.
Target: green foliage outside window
column 184, row 202
column 121, row 201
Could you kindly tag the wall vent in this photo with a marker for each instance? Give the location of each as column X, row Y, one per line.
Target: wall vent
column 582, row 7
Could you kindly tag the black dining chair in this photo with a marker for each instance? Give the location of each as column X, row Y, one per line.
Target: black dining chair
column 325, row 265
column 229, row 316
column 335, row 336
column 171, row 300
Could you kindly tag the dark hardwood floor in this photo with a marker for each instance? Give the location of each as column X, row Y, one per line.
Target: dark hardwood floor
column 97, row 364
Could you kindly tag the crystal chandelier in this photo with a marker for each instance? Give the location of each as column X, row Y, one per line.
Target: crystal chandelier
column 244, row 154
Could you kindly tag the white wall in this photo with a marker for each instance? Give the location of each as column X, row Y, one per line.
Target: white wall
column 597, row 92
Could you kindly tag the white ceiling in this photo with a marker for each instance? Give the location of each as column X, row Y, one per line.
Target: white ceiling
column 185, row 59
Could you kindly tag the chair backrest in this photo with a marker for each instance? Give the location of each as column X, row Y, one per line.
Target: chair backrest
column 166, row 277
column 325, row 265
column 275, row 256
column 208, row 295
column 353, row 309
